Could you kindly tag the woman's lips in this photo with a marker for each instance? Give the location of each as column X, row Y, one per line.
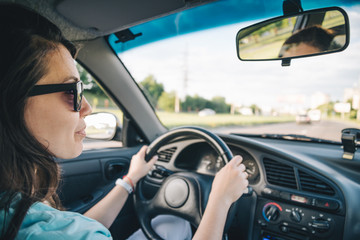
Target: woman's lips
column 81, row 132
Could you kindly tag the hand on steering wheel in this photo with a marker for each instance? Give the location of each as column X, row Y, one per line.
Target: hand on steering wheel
column 185, row 194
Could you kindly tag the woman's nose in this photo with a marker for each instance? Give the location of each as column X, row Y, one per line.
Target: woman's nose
column 85, row 108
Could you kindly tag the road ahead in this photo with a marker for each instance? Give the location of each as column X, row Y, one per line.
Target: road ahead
column 330, row 130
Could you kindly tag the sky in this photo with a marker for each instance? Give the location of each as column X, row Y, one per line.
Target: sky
column 209, row 63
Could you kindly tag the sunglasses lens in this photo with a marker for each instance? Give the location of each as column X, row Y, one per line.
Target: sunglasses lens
column 78, row 98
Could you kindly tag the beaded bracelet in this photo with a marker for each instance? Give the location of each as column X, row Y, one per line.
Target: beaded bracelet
column 131, row 182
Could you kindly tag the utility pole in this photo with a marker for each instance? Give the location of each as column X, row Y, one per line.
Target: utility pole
column 185, row 69
column 185, row 81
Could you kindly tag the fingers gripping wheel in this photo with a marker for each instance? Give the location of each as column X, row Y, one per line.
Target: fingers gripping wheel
column 194, row 188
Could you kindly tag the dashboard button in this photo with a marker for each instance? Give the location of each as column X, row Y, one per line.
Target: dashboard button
column 285, row 195
column 270, row 192
column 328, row 204
column 262, row 223
column 284, row 229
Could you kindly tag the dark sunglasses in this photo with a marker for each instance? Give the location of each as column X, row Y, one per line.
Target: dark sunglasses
column 75, row 89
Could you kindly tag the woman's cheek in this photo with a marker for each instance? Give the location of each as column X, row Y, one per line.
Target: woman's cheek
column 68, row 99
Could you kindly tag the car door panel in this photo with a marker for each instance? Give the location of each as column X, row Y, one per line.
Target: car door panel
column 88, row 178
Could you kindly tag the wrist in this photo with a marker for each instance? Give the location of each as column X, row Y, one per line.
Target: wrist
column 125, row 185
column 219, row 200
column 134, row 178
column 129, row 180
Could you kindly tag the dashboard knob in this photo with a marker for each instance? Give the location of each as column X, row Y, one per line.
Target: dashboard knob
column 320, row 225
column 272, row 212
column 295, row 216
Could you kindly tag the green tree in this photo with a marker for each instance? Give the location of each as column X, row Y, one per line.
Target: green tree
column 89, row 83
column 353, row 112
column 255, row 109
column 166, row 101
column 194, row 103
column 327, row 108
column 219, row 105
column 152, row 89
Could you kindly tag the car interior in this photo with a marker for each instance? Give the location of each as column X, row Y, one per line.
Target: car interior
column 300, row 187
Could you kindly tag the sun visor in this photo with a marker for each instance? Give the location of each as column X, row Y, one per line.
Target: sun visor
column 110, row 16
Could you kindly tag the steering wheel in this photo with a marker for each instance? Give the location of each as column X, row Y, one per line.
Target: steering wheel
column 183, row 194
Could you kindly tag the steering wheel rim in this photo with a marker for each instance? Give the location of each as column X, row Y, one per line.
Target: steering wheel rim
column 216, row 142
column 191, row 189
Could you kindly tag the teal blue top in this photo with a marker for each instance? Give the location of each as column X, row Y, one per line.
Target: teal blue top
column 47, row 223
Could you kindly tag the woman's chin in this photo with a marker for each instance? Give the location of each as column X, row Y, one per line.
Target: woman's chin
column 71, row 153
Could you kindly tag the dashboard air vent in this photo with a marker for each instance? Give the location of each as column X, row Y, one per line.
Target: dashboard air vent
column 311, row 184
column 165, row 155
column 280, row 174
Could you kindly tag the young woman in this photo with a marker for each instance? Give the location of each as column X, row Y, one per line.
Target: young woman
column 42, row 112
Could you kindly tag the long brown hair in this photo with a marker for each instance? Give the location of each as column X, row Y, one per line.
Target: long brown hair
column 27, row 168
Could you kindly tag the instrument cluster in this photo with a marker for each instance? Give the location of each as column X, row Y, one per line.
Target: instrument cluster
column 209, row 162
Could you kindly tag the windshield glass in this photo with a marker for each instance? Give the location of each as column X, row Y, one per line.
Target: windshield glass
column 195, row 77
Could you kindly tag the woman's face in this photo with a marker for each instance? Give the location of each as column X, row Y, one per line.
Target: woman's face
column 301, row 49
column 50, row 117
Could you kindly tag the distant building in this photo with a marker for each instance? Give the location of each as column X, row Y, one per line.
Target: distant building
column 246, row 111
column 349, row 93
column 352, row 94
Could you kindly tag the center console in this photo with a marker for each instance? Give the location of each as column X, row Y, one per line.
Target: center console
column 281, row 220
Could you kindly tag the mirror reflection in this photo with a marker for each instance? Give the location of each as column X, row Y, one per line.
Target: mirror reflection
column 306, row 34
column 101, row 125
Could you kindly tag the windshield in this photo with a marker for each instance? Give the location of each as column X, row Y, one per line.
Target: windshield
column 195, row 77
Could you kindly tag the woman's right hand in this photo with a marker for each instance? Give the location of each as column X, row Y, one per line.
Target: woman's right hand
column 228, row 185
column 230, row 182
column 138, row 166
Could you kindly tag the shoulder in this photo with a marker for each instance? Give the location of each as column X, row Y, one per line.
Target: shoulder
column 45, row 222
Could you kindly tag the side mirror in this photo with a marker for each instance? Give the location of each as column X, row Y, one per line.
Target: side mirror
column 307, row 33
column 102, row 126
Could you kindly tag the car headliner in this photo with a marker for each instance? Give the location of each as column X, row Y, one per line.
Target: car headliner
column 89, row 19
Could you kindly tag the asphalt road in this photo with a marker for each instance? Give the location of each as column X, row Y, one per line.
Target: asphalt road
column 330, row 130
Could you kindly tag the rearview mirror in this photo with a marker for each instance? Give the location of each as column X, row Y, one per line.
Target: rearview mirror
column 308, row 33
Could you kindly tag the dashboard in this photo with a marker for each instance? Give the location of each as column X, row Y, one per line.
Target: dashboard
column 302, row 190
column 200, row 157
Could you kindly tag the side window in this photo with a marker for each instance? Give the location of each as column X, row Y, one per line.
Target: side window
column 100, row 103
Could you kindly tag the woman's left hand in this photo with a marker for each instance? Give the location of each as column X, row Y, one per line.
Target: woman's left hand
column 139, row 167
